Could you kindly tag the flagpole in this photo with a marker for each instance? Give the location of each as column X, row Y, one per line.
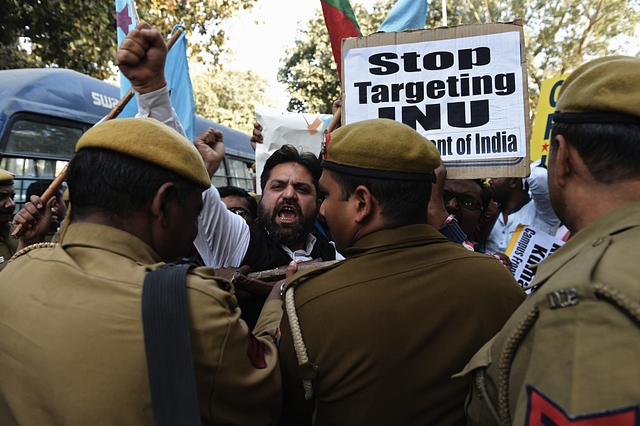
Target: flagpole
column 115, row 111
column 444, row 13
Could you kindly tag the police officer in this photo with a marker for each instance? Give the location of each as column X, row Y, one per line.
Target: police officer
column 375, row 339
column 569, row 355
column 71, row 334
column 8, row 244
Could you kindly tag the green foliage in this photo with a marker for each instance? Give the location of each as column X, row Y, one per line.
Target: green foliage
column 309, row 70
column 81, row 34
column 201, row 17
column 559, row 36
column 228, row 97
column 76, row 34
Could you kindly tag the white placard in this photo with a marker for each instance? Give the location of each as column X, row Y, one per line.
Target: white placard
column 303, row 131
column 464, row 94
column 529, row 246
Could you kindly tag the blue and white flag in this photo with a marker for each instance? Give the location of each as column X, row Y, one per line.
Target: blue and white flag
column 405, row 15
column 176, row 71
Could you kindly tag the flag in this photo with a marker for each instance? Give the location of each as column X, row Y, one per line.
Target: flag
column 341, row 23
column 176, row 71
column 405, row 15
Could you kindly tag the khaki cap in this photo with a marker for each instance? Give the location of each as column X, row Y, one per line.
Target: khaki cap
column 605, row 90
column 149, row 140
column 381, row 149
column 6, row 178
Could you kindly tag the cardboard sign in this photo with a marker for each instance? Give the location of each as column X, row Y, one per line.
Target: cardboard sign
column 549, row 91
column 464, row 88
column 304, row 131
column 529, row 246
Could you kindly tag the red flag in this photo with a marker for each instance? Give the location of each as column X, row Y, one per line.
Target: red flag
column 341, row 23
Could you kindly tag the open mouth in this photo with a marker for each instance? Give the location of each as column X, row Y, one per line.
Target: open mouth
column 287, row 214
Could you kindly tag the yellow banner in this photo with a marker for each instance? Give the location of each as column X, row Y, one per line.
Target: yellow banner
column 541, row 135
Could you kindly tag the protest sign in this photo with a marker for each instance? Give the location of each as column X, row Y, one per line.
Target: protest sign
column 529, row 246
column 304, row 131
column 464, row 88
column 541, row 135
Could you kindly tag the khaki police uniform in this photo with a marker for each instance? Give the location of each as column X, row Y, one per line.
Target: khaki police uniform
column 72, row 346
column 569, row 355
column 571, row 351
column 8, row 244
column 386, row 329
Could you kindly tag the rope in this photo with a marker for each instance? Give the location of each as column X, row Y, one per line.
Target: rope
column 481, row 382
column 298, row 342
column 629, row 307
column 32, row 247
column 504, row 369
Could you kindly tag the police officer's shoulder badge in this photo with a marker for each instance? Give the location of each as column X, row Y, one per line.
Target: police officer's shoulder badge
column 30, row 248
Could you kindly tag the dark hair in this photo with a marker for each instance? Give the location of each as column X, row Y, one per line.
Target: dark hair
column 611, row 152
column 234, row 191
column 401, row 202
column 289, row 154
column 40, row 186
column 118, row 184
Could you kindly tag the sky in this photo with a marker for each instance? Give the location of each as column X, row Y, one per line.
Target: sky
column 259, row 38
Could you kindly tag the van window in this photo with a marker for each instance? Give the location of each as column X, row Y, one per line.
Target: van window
column 220, row 176
column 240, row 174
column 42, row 139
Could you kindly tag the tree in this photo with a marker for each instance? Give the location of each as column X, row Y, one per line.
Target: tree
column 228, row 97
column 559, row 35
column 309, row 70
column 81, row 34
column 73, row 34
column 202, row 17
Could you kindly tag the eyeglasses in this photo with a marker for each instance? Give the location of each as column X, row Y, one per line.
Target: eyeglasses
column 239, row 211
column 465, row 201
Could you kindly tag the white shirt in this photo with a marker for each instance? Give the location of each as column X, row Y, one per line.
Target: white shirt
column 223, row 237
column 537, row 212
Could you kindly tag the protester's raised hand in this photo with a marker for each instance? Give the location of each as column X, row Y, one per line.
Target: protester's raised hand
column 210, row 145
column 256, row 137
column 141, row 58
column 35, row 219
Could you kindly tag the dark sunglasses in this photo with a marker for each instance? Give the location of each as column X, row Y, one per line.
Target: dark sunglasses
column 465, row 201
column 239, row 211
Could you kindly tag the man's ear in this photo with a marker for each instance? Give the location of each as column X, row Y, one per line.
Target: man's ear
column 364, row 204
column 163, row 201
column 561, row 159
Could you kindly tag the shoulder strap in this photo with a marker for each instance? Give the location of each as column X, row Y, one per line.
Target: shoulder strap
column 167, row 342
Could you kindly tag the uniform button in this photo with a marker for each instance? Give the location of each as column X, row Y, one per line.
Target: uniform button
column 597, row 242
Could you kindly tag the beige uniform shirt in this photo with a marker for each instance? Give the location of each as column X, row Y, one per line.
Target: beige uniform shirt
column 571, row 353
column 8, row 245
column 387, row 328
column 72, row 346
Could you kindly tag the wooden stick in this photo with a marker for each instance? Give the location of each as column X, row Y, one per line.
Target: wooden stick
column 280, row 273
column 335, row 120
column 115, row 111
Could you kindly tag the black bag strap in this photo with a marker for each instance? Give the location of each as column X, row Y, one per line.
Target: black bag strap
column 167, row 342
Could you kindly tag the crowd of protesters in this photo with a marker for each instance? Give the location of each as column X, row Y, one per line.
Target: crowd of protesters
column 409, row 320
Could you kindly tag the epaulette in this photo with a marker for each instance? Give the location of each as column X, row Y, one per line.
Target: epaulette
column 35, row 246
column 310, row 272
